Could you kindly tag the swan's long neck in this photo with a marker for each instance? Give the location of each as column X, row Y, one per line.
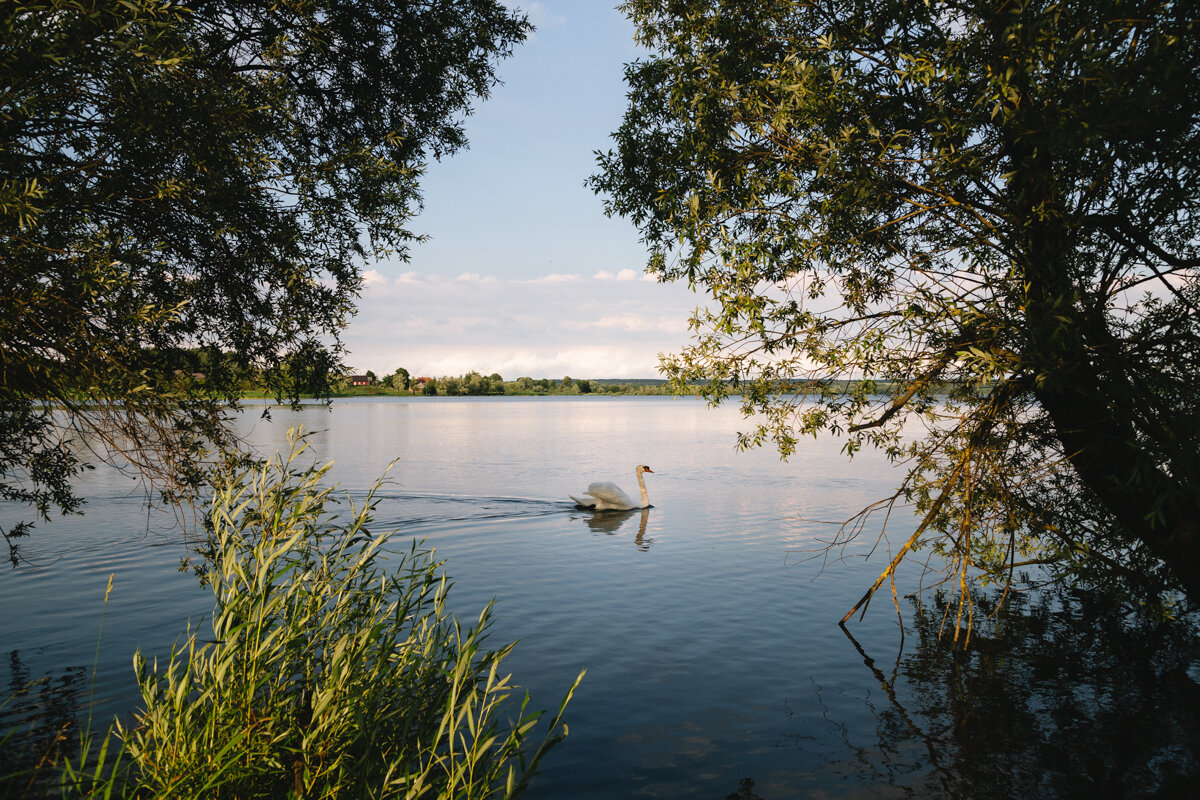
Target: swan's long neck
column 642, row 485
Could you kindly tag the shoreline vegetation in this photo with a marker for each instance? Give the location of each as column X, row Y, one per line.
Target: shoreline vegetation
column 331, row 667
column 473, row 384
column 202, row 370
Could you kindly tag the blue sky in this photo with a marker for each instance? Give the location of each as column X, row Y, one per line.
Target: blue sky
column 523, row 274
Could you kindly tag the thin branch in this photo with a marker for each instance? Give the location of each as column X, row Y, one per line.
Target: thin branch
column 908, row 545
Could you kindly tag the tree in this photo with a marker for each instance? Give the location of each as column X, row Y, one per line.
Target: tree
column 210, row 176
column 979, row 217
column 401, row 379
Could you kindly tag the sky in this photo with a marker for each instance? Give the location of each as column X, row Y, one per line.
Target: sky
column 523, row 274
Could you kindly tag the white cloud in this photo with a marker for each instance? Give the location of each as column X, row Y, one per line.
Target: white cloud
column 579, row 362
column 635, row 322
column 553, row 325
column 373, row 277
column 556, row 277
column 623, row 275
column 474, row 277
column 628, row 322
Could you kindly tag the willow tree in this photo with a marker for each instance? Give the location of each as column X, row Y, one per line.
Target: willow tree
column 203, row 177
column 964, row 232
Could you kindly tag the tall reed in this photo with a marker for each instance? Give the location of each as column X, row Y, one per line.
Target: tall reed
column 333, row 669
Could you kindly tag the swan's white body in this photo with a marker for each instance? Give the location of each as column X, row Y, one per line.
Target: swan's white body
column 607, row 496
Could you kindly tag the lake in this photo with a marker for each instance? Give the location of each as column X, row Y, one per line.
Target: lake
column 715, row 664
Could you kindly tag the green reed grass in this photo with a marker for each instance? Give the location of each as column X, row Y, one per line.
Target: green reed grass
column 332, row 670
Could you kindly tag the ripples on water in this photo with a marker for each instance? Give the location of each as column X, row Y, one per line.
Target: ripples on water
column 715, row 665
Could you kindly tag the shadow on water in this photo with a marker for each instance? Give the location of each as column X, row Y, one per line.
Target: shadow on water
column 1062, row 696
column 610, row 522
column 40, row 723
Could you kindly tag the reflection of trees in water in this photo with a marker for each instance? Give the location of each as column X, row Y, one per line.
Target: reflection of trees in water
column 609, row 522
column 745, row 791
column 1058, row 697
column 40, row 721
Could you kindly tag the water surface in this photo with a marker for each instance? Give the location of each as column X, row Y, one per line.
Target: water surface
column 710, row 638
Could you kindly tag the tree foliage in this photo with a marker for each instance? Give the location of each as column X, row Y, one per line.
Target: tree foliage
column 400, row 379
column 203, row 177
column 984, row 216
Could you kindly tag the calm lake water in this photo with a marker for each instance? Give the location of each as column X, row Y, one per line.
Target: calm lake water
column 712, row 647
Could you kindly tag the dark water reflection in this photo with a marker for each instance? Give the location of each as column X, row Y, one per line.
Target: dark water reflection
column 715, row 665
column 42, row 721
column 612, row 522
column 1058, row 696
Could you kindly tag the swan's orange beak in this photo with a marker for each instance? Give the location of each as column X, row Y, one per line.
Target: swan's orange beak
column 647, row 469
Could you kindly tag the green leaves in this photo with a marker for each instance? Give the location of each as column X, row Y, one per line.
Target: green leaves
column 333, row 668
column 209, row 177
column 909, row 197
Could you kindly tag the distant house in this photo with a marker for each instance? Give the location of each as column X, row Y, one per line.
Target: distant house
column 360, row 380
column 418, row 384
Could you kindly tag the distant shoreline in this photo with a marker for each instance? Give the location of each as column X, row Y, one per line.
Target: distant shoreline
column 370, row 391
column 458, row 387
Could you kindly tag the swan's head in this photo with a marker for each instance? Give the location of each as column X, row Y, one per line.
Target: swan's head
column 644, row 468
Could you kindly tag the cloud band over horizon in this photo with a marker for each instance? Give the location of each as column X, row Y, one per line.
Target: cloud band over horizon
column 609, row 324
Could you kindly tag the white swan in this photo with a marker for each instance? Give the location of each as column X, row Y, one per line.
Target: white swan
column 607, row 496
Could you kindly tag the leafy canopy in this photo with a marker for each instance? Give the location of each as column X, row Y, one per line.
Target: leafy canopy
column 964, row 232
column 202, row 182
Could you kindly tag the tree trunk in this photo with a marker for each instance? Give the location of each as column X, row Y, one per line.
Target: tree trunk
column 1153, row 506
column 1092, row 408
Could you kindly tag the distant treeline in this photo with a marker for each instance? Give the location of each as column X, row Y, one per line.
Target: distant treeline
column 201, row 365
column 475, row 384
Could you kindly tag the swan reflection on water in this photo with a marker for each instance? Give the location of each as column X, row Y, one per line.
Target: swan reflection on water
column 609, row 522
